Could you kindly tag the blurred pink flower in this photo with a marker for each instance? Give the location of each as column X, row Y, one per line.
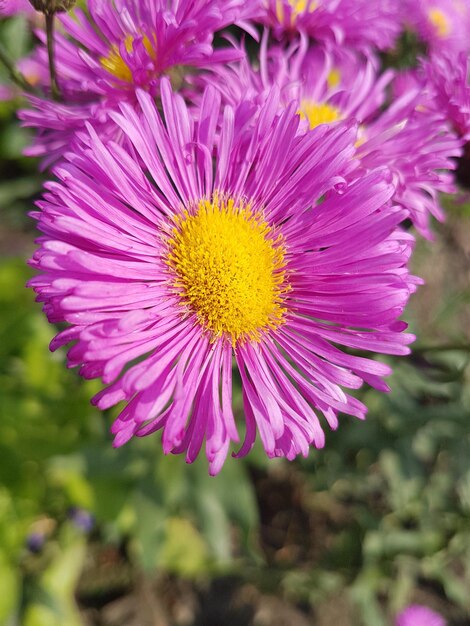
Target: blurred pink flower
column 417, row 615
column 408, row 134
column 32, row 72
column 448, row 76
column 444, row 25
column 11, row 7
column 358, row 24
column 105, row 53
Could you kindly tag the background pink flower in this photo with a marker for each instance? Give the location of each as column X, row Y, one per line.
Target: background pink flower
column 417, row 615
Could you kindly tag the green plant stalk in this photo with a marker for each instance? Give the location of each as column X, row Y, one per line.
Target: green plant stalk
column 55, row 92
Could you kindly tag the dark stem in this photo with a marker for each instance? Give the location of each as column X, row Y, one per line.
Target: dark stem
column 16, row 76
column 50, row 51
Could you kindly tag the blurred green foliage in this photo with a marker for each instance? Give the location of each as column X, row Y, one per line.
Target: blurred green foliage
column 404, row 476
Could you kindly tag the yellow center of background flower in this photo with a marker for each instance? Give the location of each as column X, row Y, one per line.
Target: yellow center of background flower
column 229, row 269
column 334, row 77
column 303, row 6
column 318, row 113
column 440, row 22
column 298, row 7
column 115, row 64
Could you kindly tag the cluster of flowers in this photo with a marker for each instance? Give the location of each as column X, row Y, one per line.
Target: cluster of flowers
column 235, row 185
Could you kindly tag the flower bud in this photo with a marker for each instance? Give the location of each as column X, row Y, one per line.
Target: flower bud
column 52, row 6
column 35, row 542
column 82, row 519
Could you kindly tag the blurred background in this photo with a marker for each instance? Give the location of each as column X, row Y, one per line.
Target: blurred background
column 93, row 536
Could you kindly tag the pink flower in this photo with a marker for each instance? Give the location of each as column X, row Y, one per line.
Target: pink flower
column 31, row 72
column 120, row 46
column 330, row 82
column 416, row 615
column 359, row 24
column 419, row 147
column 178, row 254
column 444, row 25
column 57, row 124
column 408, row 134
column 12, row 7
column 448, row 78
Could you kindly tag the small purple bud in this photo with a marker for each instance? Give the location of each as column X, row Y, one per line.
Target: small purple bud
column 35, row 542
column 81, row 518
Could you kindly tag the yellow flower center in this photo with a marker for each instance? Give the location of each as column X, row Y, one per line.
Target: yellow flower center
column 334, row 78
column 317, row 113
column 440, row 22
column 297, row 6
column 228, row 265
column 115, row 64
column 303, row 6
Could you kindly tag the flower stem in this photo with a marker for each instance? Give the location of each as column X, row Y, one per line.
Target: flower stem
column 50, row 52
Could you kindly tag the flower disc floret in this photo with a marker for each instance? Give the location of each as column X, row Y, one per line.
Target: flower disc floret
column 114, row 63
column 318, row 113
column 227, row 265
column 439, row 21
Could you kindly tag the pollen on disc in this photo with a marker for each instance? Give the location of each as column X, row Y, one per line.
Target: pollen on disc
column 228, row 266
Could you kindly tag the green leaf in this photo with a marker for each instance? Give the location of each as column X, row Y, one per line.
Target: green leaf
column 184, row 551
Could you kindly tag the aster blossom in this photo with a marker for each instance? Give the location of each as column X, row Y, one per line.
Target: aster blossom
column 408, row 134
column 359, row 24
column 168, row 267
column 330, row 82
column 419, row 146
column 103, row 55
column 13, row 7
column 130, row 43
column 418, row 615
column 443, row 25
column 448, row 78
column 30, row 71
